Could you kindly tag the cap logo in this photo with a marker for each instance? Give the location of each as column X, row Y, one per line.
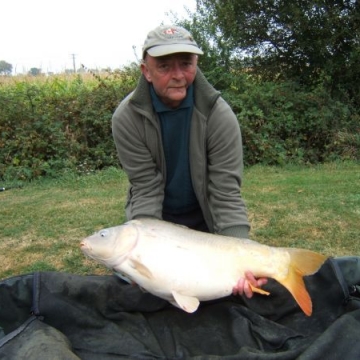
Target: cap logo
column 170, row 31
column 173, row 33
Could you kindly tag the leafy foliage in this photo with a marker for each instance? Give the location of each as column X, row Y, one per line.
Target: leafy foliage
column 283, row 122
column 305, row 41
column 59, row 124
column 49, row 126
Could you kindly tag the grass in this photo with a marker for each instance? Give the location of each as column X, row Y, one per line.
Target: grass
column 313, row 207
column 42, row 224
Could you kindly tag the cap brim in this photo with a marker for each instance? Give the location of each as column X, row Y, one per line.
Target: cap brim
column 163, row 50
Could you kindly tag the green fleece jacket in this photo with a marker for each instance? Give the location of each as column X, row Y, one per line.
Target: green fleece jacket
column 216, row 157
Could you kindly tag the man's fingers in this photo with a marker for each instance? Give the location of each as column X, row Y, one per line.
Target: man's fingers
column 245, row 284
column 255, row 282
column 251, row 278
column 262, row 281
column 239, row 287
column 247, row 289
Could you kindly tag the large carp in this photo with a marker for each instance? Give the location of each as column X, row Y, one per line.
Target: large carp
column 185, row 266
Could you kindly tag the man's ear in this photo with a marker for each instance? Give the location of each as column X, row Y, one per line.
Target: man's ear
column 145, row 72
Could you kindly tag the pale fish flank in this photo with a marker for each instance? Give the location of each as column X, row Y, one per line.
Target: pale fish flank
column 185, row 266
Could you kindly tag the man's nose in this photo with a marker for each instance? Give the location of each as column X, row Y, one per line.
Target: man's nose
column 177, row 71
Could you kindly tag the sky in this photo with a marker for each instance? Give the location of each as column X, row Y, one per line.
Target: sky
column 51, row 34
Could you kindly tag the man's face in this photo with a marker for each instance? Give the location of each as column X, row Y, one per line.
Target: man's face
column 170, row 75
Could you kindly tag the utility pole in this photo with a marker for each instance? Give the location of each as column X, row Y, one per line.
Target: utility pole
column 74, row 66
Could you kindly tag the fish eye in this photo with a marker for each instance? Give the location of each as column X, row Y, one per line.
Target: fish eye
column 104, row 233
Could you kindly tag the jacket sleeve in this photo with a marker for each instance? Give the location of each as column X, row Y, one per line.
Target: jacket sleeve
column 225, row 166
column 146, row 192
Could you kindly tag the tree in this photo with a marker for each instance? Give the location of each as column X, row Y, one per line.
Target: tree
column 35, row 71
column 216, row 62
column 5, row 68
column 303, row 40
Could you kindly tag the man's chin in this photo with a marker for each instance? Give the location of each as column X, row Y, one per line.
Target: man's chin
column 177, row 95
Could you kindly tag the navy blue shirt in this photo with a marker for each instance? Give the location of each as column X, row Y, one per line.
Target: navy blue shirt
column 175, row 131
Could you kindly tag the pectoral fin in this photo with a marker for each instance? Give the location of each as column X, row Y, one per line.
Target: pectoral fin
column 141, row 269
column 187, row 303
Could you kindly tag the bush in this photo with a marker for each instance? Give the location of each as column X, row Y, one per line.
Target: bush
column 282, row 122
column 53, row 125
column 58, row 124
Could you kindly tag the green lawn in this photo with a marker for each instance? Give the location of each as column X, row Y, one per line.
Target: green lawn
column 42, row 224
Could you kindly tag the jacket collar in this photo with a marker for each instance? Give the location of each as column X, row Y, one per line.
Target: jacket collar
column 205, row 95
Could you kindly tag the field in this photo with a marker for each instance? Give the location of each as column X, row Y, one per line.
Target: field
column 42, row 224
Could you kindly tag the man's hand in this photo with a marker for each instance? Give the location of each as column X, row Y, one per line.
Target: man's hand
column 246, row 284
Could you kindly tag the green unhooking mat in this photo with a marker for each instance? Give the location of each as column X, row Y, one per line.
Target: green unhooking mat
column 54, row 315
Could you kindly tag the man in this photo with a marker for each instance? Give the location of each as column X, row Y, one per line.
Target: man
column 180, row 144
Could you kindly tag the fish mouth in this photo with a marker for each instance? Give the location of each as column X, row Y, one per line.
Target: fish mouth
column 86, row 249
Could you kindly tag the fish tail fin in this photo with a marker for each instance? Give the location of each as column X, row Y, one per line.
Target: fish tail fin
column 302, row 262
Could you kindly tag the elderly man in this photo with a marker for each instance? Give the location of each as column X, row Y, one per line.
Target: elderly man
column 180, row 144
